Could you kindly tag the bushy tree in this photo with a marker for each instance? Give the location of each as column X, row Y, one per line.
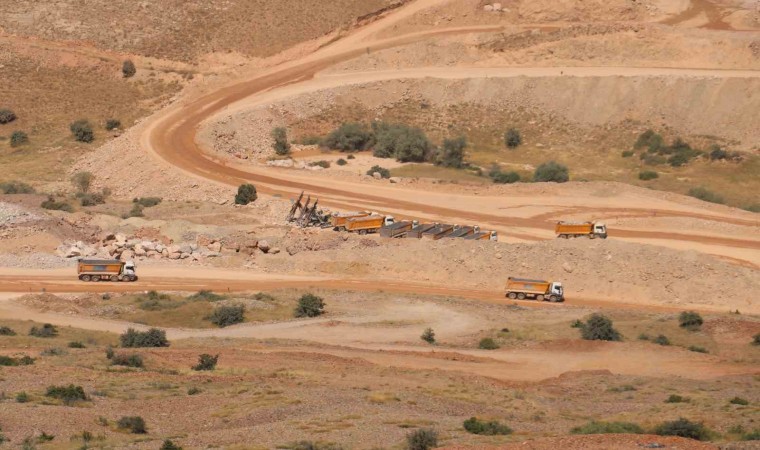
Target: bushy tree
column 82, row 181
column 488, row 344
column 19, row 138
column 309, row 305
column 599, row 328
column 661, row 340
column 45, row 331
column 683, row 428
column 246, row 194
column 16, row 187
column 551, row 171
column 134, row 424
column 225, row 316
column 281, row 145
column 756, row 339
column 451, row 153
column 422, row 439
column 384, row 173
column 650, row 140
column 169, row 445
column 128, row 69
column 690, row 320
column 127, row 360
column 6, row 331
column 206, row 362
column 68, row 394
column 428, row 336
column 487, row 428
column 52, row 204
column 349, row 137
column 646, row 175
column 112, row 124
column 82, row 131
column 151, row 338
column 404, row 143
column 499, row 177
column 512, row 138
column 705, row 194
column 6, row 116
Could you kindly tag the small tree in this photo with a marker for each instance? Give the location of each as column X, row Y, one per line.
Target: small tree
column 690, row 320
column 683, row 428
column 487, row 428
column 6, row 331
column 68, row 394
column 6, row 116
column 82, row 131
column 206, row 362
column 551, row 171
column 225, row 316
column 169, row 445
column 246, row 194
column 19, row 138
column 599, row 328
column 128, row 69
column 646, row 175
column 512, row 138
column 112, row 124
column 452, row 153
column 127, row 360
column 661, row 340
column 82, row 181
column 487, row 344
column 349, row 137
column 428, row 336
column 45, row 331
column 384, row 173
column 756, row 339
column 135, row 424
column 281, row 145
column 151, row 338
column 422, row 439
column 309, row 305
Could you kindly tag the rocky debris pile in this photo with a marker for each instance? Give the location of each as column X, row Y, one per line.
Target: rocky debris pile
column 291, row 164
column 11, row 215
column 495, row 7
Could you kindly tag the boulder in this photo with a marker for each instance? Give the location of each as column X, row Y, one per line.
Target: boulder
column 160, row 247
column 215, row 247
column 139, row 250
column 203, row 241
column 274, row 251
column 264, row 246
column 152, row 254
column 173, row 249
column 497, row 6
column 394, row 179
column 185, row 249
column 175, row 255
column 148, row 245
column 107, row 236
column 377, row 175
column 89, row 251
column 212, row 254
column 72, row 252
column 165, row 252
column 488, row 8
column 126, row 255
column 184, row 255
column 231, row 245
column 120, row 239
column 567, row 267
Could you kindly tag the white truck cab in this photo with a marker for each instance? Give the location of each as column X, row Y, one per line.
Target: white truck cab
column 129, row 270
column 494, row 236
column 388, row 221
column 556, row 290
column 600, row 230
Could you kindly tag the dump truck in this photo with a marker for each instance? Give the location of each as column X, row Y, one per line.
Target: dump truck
column 522, row 288
column 339, row 220
column 398, row 229
column 106, row 270
column 368, row 224
column 438, row 232
column 483, row 235
column 576, row 229
column 416, row 231
column 462, row 232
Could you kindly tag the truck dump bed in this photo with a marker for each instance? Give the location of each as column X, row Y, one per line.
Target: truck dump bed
column 416, row 232
column 461, row 232
column 527, row 286
column 374, row 222
column 478, row 236
column 340, row 219
column 438, row 232
column 100, row 266
column 396, row 229
column 574, row 228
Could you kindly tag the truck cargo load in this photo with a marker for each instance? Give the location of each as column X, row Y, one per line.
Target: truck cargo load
column 338, row 220
column 438, row 232
column 483, row 235
column 368, row 224
column 522, row 288
column 397, row 230
column 577, row 229
column 416, row 232
column 461, row 232
column 106, row 270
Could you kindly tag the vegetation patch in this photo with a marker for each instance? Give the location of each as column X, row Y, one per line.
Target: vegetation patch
column 127, row 360
column 488, row 344
column 9, row 361
column 225, row 316
column 133, row 424
column 595, row 427
column 67, row 394
column 151, row 338
column 684, row 428
column 45, row 331
column 489, row 428
column 428, row 336
column 551, row 171
column 206, row 362
column 599, row 328
column 690, row 320
column 309, row 305
column 422, row 439
column 246, row 194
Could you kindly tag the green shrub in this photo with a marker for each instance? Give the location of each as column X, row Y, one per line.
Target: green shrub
column 717, row 153
column 154, row 301
column 225, row 316
column 488, row 428
column 739, row 401
column 10, row 361
column 647, row 175
column 82, row 131
column 652, row 160
column 112, row 124
column 128, row 69
column 136, row 211
column 280, row 145
column 169, row 445
column 68, row 394
column 626, row 154
column 246, row 194
column 384, row 173
column 752, row 436
column 428, row 336
column 404, row 143
column 644, row 337
column 54, row 351
column 309, row 305
column 755, row 207
column 675, row 398
column 349, row 137
column 6, row 116
column 505, row 177
column 311, row 140
column 690, row 320
column 683, row 428
column 206, row 296
column 82, row 181
column 19, row 138
column 350, row 157
column 6, row 331
column 341, row 162
column 147, row 202
column 151, row 338
column 577, row 324
column 76, row 344
column 487, row 344
column 599, row 328
column 551, row 171
column 52, row 204
column 45, row 331
column 16, row 187
column 22, row 397
column 422, row 439
column 698, row 349
column 512, row 138
column 705, row 194
column 595, row 427
column 109, row 352
column 649, row 139
column 756, row 339
column 134, row 424
column 127, row 360
column 91, row 199
column 661, row 340
column 206, row 362
column 309, row 445
column 323, row 164
column 452, row 153
column 193, row 391
column 623, row 388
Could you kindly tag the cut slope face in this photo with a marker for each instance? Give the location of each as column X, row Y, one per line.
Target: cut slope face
column 184, row 30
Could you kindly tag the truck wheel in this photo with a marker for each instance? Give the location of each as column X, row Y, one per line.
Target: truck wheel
column 521, row 296
column 95, row 278
column 85, row 278
column 362, row 232
column 553, row 299
column 540, row 298
column 114, row 278
column 512, row 295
